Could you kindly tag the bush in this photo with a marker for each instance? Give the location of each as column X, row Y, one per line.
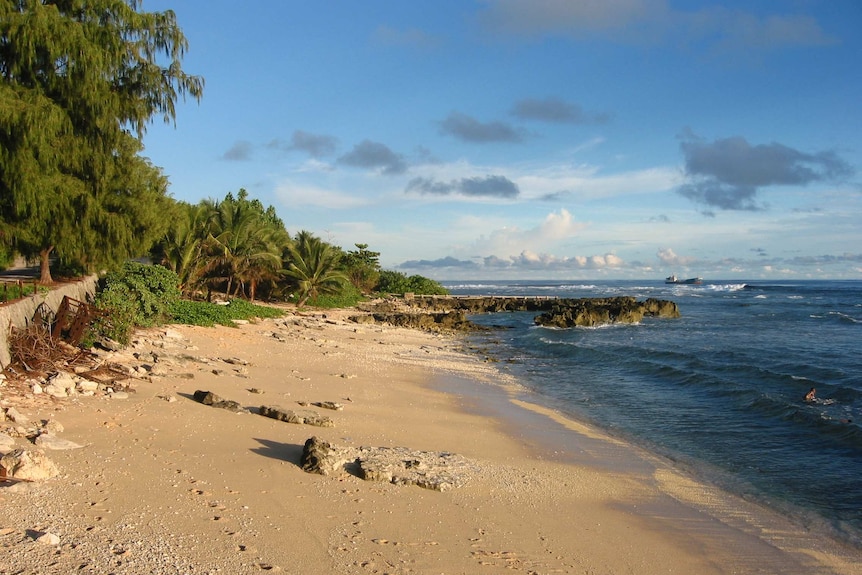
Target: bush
column 399, row 283
column 137, row 295
column 349, row 296
column 208, row 314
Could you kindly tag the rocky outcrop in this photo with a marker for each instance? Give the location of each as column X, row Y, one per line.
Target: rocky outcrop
column 439, row 471
column 431, row 321
column 440, row 313
column 604, row 311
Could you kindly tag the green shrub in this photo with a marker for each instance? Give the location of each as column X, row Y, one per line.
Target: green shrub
column 10, row 290
column 399, row 283
column 349, row 296
column 208, row 314
column 137, row 295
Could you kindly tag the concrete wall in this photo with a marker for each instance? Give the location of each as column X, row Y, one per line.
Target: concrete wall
column 20, row 313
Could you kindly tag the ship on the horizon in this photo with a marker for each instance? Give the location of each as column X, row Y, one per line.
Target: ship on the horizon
column 672, row 279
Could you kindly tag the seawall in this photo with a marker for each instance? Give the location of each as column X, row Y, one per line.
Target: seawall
column 20, row 313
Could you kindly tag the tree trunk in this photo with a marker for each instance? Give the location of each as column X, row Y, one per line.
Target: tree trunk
column 45, row 266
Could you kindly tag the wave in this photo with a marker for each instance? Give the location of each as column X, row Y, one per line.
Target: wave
column 726, row 287
column 844, row 317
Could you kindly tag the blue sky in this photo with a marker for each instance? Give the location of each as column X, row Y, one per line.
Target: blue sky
column 545, row 139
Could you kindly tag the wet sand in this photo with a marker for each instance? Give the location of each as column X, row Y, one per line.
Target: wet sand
column 173, row 486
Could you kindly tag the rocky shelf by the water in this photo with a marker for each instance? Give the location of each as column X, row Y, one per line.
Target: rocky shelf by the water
column 450, row 312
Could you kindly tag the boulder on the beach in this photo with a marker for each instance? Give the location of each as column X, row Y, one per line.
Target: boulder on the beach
column 213, row 400
column 324, row 458
column 306, row 417
column 28, row 465
column 439, row 471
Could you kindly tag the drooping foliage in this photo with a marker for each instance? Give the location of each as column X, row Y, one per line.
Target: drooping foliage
column 181, row 248
column 233, row 245
column 315, row 267
column 245, row 244
column 79, row 82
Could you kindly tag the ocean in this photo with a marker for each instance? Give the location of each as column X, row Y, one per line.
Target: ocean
column 719, row 390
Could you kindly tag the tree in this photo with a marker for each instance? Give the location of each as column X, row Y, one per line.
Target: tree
column 79, row 82
column 362, row 267
column 314, row 267
column 180, row 250
column 397, row 282
column 245, row 244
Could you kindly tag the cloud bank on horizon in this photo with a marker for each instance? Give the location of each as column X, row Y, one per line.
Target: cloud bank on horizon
column 536, row 138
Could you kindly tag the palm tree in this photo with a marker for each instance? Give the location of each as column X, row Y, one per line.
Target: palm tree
column 314, row 266
column 244, row 245
column 181, row 248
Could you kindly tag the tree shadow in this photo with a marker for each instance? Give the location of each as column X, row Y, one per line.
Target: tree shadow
column 289, row 452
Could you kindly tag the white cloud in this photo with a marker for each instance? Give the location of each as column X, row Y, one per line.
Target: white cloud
column 510, row 240
column 669, row 257
column 293, row 195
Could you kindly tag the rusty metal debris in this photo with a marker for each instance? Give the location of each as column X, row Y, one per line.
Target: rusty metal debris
column 50, row 344
column 72, row 320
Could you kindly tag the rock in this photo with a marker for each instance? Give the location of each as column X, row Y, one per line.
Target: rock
column 51, row 441
column 435, row 322
column 7, row 443
column 110, row 345
column 210, row 398
column 55, row 391
column 328, row 405
column 324, row 458
column 397, row 465
column 299, row 417
column 438, row 471
column 53, row 426
column 87, row 385
column 15, row 416
column 63, row 380
column 447, row 312
column 28, row 465
column 590, row 312
column 171, row 334
column 49, row 539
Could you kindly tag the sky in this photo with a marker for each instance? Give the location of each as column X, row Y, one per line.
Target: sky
column 535, row 139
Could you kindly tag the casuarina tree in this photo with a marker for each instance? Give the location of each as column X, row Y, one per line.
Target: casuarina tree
column 80, row 80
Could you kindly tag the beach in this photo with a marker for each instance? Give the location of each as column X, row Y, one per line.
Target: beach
column 164, row 484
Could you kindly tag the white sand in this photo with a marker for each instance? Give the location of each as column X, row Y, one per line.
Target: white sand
column 179, row 487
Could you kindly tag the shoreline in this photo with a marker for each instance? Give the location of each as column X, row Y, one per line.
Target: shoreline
column 177, row 487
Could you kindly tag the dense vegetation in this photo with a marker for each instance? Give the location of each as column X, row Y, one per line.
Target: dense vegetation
column 80, row 80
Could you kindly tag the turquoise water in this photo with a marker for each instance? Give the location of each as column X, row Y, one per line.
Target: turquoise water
column 720, row 389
